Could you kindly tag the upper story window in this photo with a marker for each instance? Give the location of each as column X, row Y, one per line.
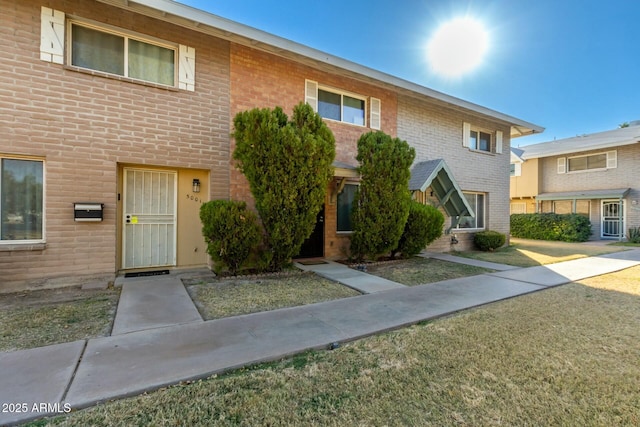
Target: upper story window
column 21, row 200
column 481, row 140
column 515, row 169
column 598, row 161
column 122, row 55
column 110, row 50
column 341, row 106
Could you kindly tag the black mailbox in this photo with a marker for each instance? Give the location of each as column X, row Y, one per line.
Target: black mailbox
column 88, row 212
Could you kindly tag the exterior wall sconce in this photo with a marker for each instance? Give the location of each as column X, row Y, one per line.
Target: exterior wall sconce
column 454, row 239
column 196, row 185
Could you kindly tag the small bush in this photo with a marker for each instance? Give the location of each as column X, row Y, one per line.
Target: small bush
column 423, row 226
column 489, row 240
column 634, row 235
column 551, row 226
column 231, row 231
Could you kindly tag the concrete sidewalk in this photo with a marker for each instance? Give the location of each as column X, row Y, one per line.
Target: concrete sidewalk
column 358, row 280
column 83, row 373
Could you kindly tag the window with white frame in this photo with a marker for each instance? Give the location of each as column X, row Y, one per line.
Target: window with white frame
column 589, row 162
column 481, row 139
column 100, row 47
column 341, row 107
column 477, row 203
column 334, row 104
column 516, row 169
column 518, row 208
column 21, row 200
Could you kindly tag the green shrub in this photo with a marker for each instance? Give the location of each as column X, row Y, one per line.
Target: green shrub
column 231, row 231
column 423, row 226
column 489, row 240
column 634, row 235
column 381, row 205
column 288, row 164
column 551, row 226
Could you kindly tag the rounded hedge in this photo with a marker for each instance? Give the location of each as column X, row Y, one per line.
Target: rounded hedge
column 489, row 240
column 551, row 226
column 423, row 226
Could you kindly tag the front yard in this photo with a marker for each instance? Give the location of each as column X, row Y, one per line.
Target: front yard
column 530, row 253
column 564, row 356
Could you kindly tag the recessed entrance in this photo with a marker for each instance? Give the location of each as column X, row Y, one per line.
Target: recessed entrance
column 313, row 247
column 612, row 219
column 149, row 218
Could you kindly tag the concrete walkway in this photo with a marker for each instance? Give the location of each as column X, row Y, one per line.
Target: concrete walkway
column 83, row 373
column 358, row 280
column 467, row 261
column 153, row 302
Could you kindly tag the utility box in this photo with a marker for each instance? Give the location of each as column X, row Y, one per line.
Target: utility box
column 88, row 212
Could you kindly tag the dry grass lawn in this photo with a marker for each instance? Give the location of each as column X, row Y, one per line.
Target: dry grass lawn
column 564, row 356
column 418, row 271
column 236, row 296
column 529, row 253
column 39, row 318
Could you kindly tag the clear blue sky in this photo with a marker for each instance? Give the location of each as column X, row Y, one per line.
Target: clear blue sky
column 571, row 66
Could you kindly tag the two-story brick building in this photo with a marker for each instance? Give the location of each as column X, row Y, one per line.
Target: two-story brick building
column 595, row 175
column 116, row 120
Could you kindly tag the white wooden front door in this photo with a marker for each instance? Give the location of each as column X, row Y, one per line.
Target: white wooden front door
column 149, row 218
column 612, row 219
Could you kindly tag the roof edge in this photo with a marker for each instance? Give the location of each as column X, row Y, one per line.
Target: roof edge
column 197, row 17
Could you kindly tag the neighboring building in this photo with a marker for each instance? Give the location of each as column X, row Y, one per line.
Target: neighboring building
column 594, row 175
column 116, row 121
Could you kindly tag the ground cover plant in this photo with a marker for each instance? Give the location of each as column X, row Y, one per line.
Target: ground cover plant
column 529, row 253
column 418, row 271
column 236, row 296
column 562, row 356
column 37, row 318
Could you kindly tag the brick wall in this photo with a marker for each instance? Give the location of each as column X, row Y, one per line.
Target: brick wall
column 263, row 80
column 84, row 125
column 436, row 133
column 625, row 175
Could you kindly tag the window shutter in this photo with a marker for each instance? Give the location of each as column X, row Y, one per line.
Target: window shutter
column 612, row 159
column 187, row 71
column 466, row 131
column 52, row 35
column 499, row 142
column 562, row 165
column 374, row 114
column 311, row 94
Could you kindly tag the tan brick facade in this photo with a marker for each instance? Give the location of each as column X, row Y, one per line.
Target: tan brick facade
column 436, row 133
column 85, row 125
column 89, row 127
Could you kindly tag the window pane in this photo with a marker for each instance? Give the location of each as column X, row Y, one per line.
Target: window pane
column 329, row 105
column 473, row 140
column 485, row 142
column 345, row 203
column 97, row 50
column 598, row 161
column 469, row 221
column 578, row 164
column 21, row 200
column 479, row 210
column 353, row 110
column 512, row 171
column 151, row 63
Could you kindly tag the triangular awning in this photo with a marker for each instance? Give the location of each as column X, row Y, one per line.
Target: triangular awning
column 436, row 174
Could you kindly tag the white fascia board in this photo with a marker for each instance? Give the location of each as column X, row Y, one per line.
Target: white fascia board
column 198, row 17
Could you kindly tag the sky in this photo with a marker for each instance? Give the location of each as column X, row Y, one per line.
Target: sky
column 570, row 66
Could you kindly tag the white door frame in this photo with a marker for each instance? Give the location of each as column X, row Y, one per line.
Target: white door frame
column 618, row 221
column 151, row 218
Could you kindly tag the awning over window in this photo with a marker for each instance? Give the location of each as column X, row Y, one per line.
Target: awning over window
column 617, row 193
column 436, row 174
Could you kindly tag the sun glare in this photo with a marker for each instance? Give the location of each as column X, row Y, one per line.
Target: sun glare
column 457, row 47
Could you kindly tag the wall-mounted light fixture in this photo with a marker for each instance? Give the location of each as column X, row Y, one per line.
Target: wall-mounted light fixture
column 196, row 185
